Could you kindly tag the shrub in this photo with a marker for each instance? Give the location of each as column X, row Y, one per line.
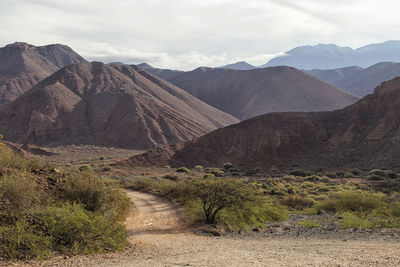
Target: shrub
column 215, row 195
column 298, row 173
column 330, row 175
column 208, row 176
column 11, row 159
column 75, row 230
column 18, row 193
column 23, row 241
column 171, row 177
column 182, row 169
column 106, row 169
column 227, row 166
column 96, row 195
column 102, row 158
column 85, row 168
column 340, row 174
column 199, row 168
column 352, row 202
column 215, row 171
column 377, row 173
column 375, row 178
column 355, row 172
column 391, row 175
column 297, row 202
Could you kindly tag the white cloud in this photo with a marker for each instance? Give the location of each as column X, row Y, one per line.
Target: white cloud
column 184, row 34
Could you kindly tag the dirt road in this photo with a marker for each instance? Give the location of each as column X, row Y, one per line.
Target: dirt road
column 161, row 239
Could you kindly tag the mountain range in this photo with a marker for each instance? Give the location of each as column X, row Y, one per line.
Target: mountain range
column 116, row 105
column 23, row 65
column 357, row 80
column 364, row 135
column 245, row 94
column 330, row 56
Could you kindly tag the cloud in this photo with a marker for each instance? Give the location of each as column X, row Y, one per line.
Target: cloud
column 184, row 34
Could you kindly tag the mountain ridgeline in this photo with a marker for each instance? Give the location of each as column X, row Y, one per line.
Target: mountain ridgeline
column 364, row 135
column 330, row 56
column 116, row 105
column 357, row 80
column 245, row 94
column 23, row 65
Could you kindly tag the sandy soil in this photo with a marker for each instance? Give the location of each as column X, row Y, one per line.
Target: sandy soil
column 161, row 238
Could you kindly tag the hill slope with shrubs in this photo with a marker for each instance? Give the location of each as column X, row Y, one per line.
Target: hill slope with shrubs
column 44, row 212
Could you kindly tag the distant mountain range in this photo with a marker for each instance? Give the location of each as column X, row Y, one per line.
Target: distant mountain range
column 363, row 135
column 245, row 94
column 330, row 56
column 357, row 80
column 23, row 65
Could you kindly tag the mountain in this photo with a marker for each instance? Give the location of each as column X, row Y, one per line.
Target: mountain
column 115, row 105
column 165, row 74
column 145, row 66
column 245, row 94
column 239, row 66
column 363, row 135
column 357, row 80
column 330, row 56
column 23, row 65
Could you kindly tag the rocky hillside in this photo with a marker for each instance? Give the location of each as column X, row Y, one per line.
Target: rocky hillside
column 117, row 105
column 363, row 135
column 245, row 94
column 23, row 65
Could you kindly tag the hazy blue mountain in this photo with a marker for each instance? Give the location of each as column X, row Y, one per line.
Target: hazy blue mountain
column 242, row 65
column 357, row 80
column 330, row 56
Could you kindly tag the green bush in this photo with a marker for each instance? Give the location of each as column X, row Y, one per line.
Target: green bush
column 331, row 175
column 340, row 174
column 374, row 177
column 217, row 172
column 377, row 172
column 18, row 194
column 217, row 195
column 297, row 202
column 32, row 227
column 23, row 241
column 96, row 195
column 352, row 202
column 208, row 176
column 227, row 166
column 10, row 159
column 85, row 168
column 298, row 173
column 75, row 230
column 182, row 169
column 199, row 168
column 355, row 172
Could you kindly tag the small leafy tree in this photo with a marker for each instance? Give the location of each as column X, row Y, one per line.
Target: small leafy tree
column 216, row 195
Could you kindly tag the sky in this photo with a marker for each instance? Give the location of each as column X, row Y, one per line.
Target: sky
column 185, row 34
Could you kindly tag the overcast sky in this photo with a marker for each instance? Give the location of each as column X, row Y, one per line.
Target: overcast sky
column 185, row 34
